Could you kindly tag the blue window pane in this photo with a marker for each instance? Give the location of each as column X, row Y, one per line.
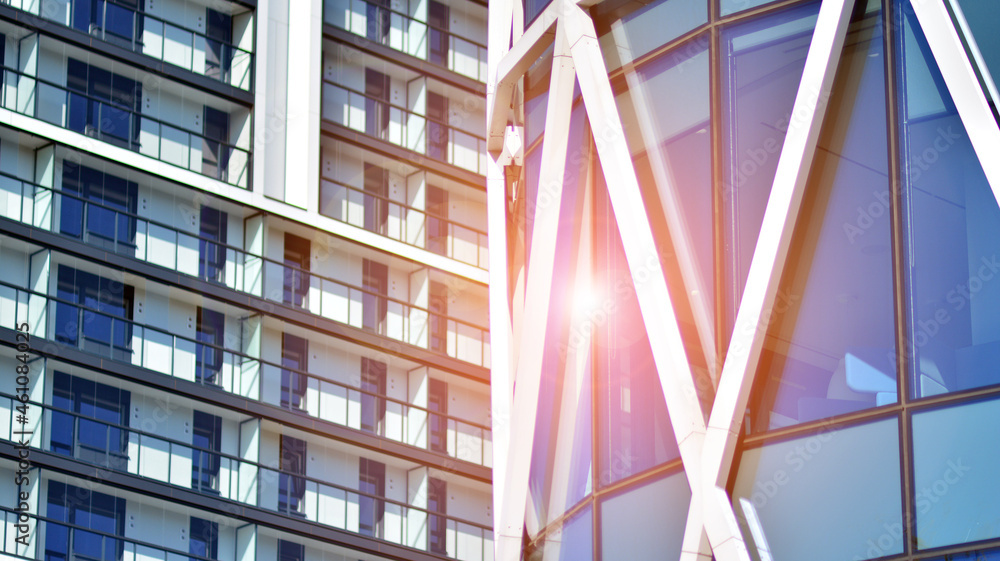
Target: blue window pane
column 646, row 523
column 832, row 329
column 984, row 555
column 532, row 8
column 761, row 73
column 983, row 18
column 656, row 24
column 204, row 540
column 953, row 225
column 955, row 462
column 732, row 6
column 831, row 496
column 571, row 542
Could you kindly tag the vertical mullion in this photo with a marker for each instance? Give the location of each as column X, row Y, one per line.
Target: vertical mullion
column 598, row 228
column 899, row 274
column 722, row 331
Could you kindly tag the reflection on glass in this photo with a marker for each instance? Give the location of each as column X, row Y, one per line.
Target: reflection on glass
column 560, row 473
column 762, row 67
column 955, row 462
column 831, row 340
column 646, row 523
column 572, row 542
column 635, row 433
column 953, row 226
column 536, row 97
column 732, row 6
column 655, row 25
column 984, row 555
column 983, row 18
column 830, row 496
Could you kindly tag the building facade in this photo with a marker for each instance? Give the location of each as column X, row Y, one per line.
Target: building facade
column 243, row 265
column 750, row 302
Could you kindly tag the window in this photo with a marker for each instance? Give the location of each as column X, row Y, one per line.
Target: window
column 437, row 525
column 379, row 20
column 437, row 402
column 371, row 481
column 104, row 514
column 437, row 17
column 204, row 539
column 296, row 270
column 373, row 374
column 218, row 50
column 206, row 438
column 89, row 425
column 291, row 551
column 438, row 319
column 294, row 355
column 375, row 280
column 98, row 208
column 115, row 21
column 376, row 103
column 215, row 150
column 103, row 104
column 437, row 128
column 291, row 483
column 376, row 199
column 437, row 220
column 211, row 246
column 96, row 315
column 211, row 338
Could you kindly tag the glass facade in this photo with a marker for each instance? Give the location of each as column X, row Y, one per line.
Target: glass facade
column 867, row 424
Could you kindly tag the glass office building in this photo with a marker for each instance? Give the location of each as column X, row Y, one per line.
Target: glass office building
column 243, row 267
column 750, row 309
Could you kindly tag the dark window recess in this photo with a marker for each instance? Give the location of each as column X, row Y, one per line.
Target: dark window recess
column 437, row 131
column 379, row 20
column 211, row 334
column 375, row 280
column 437, row 525
column 376, row 103
column 215, row 149
column 294, row 354
column 89, row 426
column 291, row 481
column 376, row 199
column 437, row 220
column 105, row 326
column 437, row 17
column 437, row 402
column 296, row 271
column 117, row 21
column 371, row 480
column 98, row 208
column 103, row 104
column 218, row 45
column 211, row 246
column 373, row 376
column 438, row 307
column 204, row 540
column 291, row 551
column 88, row 509
column 206, row 438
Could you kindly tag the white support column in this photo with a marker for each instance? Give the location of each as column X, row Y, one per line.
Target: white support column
column 963, row 85
column 769, row 256
column 510, row 525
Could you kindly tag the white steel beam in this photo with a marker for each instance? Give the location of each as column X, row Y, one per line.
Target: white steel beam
column 768, row 261
column 541, row 262
column 963, row 85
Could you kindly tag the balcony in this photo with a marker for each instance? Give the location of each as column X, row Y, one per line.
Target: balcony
column 169, row 247
column 169, row 461
column 432, row 42
column 117, row 121
column 232, row 371
column 404, row 223
column 426, row 136
column 223, row 55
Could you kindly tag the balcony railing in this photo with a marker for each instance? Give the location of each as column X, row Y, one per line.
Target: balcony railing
column 397, row 125
column 81, row 542
column 406, row 34
column 129, row 342
column 156, row 37
column 170, row 461
column 404, row 223
column 169, row 247
column 121, row 126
